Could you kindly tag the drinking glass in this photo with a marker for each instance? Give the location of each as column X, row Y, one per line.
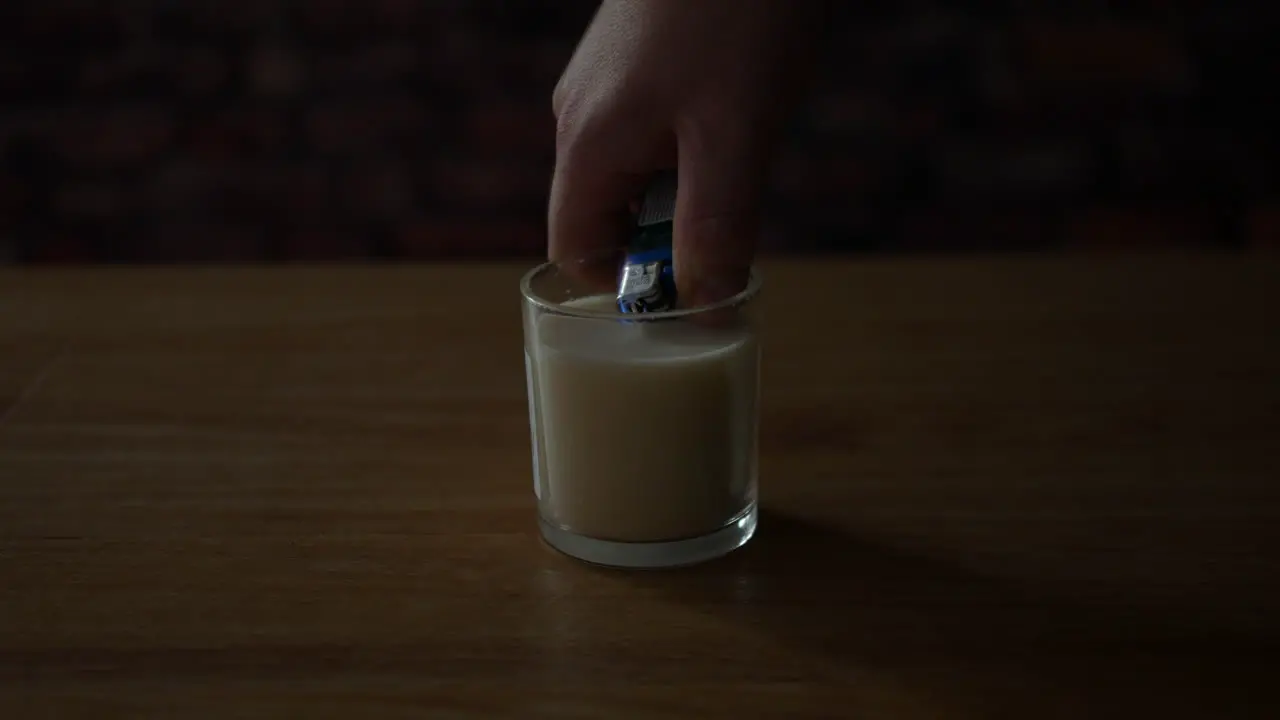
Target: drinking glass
column 644, row 426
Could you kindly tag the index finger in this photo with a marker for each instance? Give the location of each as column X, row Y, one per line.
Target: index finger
column 587, row 216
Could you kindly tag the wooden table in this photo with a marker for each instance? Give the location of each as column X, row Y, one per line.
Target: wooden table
column 1022, row 488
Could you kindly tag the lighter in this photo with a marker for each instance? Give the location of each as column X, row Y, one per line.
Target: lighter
column 648, row 283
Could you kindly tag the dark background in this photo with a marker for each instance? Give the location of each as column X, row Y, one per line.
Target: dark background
column 277, row 130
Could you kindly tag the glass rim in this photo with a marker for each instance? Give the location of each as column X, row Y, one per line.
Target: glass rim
column 526, row 291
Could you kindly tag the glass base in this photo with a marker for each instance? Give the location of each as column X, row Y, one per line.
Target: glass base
column 673, row 553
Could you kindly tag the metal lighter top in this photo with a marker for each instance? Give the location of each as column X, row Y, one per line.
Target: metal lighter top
column 647, row 283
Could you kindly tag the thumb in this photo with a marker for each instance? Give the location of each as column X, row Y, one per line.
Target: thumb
column 717, row 219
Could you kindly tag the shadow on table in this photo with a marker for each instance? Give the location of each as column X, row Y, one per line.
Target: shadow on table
column 850, row 603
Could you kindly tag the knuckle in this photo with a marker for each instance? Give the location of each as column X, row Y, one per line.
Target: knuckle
column 568, row 118
column 558, row 95
column 568, row 135
column 574, row 129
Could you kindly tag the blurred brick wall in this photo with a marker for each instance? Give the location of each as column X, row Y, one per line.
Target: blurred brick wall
column 248, row 130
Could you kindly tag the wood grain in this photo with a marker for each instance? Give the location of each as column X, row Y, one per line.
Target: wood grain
column 993, row 487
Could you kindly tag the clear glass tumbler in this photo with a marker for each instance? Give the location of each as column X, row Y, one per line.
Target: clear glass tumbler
column 644, row 425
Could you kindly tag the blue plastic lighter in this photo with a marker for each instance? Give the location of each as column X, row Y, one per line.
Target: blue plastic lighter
column 648, row 281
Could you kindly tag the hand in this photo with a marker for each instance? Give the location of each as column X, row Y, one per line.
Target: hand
column 702, row 86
